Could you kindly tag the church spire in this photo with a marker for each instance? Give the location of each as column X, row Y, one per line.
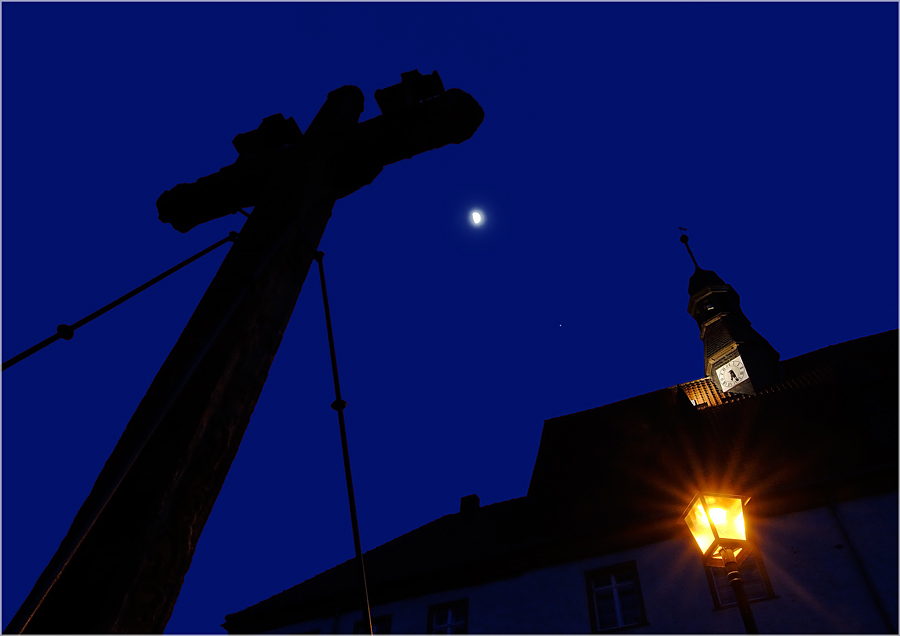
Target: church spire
column 701, row 278
column 737, row 358
column 684, row 239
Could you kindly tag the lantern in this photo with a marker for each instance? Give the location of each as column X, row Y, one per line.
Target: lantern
column 717, row 522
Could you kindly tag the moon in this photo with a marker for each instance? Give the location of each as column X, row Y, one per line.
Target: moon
column 477, row 217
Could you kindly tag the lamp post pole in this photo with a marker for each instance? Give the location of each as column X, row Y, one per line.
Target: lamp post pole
column 737, row 584
column 716, row 522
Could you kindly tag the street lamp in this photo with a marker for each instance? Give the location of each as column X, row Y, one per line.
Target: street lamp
column 717, row 523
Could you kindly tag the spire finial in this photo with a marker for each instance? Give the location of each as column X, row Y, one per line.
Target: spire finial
column 684, row 239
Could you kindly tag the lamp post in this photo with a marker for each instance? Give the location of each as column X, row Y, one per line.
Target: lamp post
column 717, row 524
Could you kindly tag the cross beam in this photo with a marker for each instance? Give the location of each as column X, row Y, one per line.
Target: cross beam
column 121, row 565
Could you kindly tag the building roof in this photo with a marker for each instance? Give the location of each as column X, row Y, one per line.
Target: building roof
column 621, row 475
column 461, row 546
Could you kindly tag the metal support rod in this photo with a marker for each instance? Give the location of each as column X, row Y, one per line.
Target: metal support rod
column 737, row 584
column 66, row 332
column 338, row 405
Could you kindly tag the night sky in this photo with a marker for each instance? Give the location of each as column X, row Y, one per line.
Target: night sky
column 769, row 130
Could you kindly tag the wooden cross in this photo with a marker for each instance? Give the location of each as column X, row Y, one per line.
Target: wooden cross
column 121, row 565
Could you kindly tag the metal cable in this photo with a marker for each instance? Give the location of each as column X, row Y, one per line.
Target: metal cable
column 67, row 332
column 339, row 405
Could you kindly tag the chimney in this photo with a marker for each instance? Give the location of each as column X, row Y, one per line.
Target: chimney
column 469, row 502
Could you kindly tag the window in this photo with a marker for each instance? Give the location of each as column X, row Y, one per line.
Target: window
column 449, row 618
column 614, row 594
column 380, row 625
column 756, row 583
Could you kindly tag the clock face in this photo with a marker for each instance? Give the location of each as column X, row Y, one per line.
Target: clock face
column 731, row 373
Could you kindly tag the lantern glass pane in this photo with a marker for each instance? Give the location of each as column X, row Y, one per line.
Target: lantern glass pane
column 699, row 526
column 727, row 515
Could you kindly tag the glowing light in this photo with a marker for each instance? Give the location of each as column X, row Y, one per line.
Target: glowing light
column 717, row 523
column 700, row 528
column 728, row 517
column 477, row 217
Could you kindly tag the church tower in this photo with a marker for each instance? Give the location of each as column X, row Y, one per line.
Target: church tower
column 737, row 358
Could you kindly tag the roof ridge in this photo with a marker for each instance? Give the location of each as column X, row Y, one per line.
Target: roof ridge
column 276, row 600
column 821, row 372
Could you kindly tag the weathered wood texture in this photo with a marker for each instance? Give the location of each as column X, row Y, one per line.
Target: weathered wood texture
column 121, row 566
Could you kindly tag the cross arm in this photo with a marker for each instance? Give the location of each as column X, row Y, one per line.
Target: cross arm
column 122, row 563
column 357, row 156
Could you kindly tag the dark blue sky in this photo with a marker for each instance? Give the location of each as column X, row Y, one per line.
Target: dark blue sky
column 769, row 130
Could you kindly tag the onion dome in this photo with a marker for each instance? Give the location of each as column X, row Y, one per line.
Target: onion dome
column 701, row 278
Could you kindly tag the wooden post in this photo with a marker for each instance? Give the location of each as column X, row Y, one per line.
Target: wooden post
column 121, row 565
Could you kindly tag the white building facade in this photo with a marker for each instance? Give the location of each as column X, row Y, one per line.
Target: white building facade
column 827, row 581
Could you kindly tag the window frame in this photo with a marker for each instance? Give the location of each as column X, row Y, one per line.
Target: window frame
column 457, row 604
column 626, row 566
column 754, row 559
